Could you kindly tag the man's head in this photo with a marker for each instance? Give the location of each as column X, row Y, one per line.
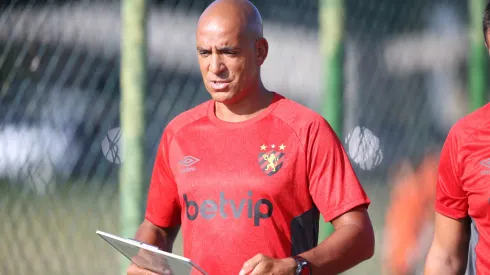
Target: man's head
column 231, row 49
column 486, row 25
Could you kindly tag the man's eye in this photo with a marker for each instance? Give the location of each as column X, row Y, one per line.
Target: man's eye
column 203, row 53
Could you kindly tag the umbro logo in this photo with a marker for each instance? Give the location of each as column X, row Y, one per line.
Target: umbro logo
column 187, row 162
column 486, row 164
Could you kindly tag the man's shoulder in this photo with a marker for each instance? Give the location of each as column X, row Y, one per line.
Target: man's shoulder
column 297, row 115
column 187, row 117
column 469, row 124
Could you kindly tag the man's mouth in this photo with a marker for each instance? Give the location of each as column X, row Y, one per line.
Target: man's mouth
column 219, row 85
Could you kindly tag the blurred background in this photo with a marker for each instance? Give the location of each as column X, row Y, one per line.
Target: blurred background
column 407, row 71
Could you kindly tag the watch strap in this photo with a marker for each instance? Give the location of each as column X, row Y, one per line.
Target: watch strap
column 303, row 267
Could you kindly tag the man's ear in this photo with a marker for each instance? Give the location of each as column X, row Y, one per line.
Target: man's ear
column 262, row 50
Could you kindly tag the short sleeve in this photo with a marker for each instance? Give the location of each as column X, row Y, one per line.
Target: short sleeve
column 333, row 184
column 163, row 206
column 451, row 199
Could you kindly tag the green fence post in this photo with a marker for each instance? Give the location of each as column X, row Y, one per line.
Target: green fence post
column 477, row 57
column 332, row 51
column 133, row 87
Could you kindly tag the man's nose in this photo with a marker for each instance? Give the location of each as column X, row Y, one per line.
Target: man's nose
column 216, row 65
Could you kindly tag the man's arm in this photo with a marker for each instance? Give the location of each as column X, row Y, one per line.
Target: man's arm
column 351, row 243
column 152, row 234
column 162, row 216
column 341, row 199
column 449, row 250
column 448, row 253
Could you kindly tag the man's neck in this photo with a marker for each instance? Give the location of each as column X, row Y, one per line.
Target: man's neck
column 246, row 108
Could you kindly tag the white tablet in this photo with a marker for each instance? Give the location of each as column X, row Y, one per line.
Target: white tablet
column 150, row 257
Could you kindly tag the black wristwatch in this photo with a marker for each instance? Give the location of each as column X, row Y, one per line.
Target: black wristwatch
column 303, row 267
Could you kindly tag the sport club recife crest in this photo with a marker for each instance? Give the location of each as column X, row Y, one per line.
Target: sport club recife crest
column 271, row 158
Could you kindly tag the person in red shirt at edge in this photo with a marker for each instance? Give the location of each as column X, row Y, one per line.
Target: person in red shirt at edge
column 248, row 173
column 461, row 240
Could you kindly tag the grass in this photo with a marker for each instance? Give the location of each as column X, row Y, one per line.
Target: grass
column 55, row 233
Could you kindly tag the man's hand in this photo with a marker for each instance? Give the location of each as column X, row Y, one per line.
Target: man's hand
column 261, row 264
column 158, row 265
column 157, row 236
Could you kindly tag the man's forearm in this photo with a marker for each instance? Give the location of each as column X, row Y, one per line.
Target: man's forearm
column 151, row 234
column 444, row 265
column 444, row 268
column 345, row 248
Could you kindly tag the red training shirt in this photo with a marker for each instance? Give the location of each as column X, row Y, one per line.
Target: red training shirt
column 258, row 186
column 463, row 186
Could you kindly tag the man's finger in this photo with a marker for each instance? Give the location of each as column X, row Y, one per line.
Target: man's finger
column 249, row 265
column 135, row 270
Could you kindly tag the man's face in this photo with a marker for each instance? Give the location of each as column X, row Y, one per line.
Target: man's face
column 227, row 59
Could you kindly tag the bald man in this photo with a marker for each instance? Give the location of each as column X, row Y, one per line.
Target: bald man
column 248, row 173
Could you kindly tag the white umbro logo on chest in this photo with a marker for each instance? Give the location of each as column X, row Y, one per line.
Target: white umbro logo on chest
column 188, row 163
column 485, row 165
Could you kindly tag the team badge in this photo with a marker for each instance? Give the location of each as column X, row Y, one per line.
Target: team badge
column 271, row 158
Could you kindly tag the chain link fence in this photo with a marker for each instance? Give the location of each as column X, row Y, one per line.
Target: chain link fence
column 405, row 84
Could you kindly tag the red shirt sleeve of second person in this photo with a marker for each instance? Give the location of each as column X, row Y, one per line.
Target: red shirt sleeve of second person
column 334, row 186
column 451, row 199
